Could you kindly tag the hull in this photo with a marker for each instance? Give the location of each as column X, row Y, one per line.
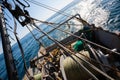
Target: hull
column 110, row 40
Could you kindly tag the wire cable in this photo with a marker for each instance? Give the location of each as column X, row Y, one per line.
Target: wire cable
column 7, row 15
column 34, row 36
column 21, row 49
column 52, row 23
column 49, row 8
column 59, row 25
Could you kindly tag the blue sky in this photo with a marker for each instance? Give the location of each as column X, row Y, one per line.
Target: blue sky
column 38, row 13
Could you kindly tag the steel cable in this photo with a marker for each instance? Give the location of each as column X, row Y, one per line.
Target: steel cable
column 21, row 49
column 49, row 8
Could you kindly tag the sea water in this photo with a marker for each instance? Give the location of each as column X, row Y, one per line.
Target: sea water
column 104, row 13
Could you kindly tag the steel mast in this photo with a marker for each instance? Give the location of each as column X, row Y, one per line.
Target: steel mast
column 9, row 61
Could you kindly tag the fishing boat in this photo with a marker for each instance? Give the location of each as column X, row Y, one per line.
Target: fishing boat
column 90, row 49
column 90, row 53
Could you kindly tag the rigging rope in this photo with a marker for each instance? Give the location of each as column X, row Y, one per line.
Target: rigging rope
column 59, row 25
column 9, row 30
column 49, row 8
column 10, row 35
column 34, row 36
column 47, row 22
column 7, row 15
column 9, row 26
column 21, row 49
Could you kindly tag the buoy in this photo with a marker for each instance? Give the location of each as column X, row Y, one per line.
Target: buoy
column 78, row 46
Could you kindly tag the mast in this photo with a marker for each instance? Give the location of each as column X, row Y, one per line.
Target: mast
column 9, row 61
